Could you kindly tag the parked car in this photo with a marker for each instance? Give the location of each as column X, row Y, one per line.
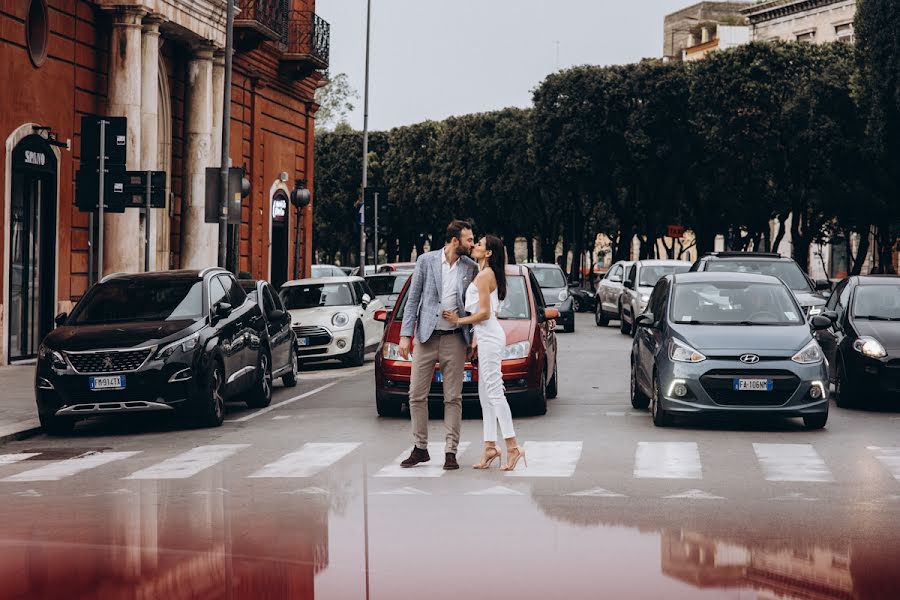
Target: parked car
column 553, row 284
column 728, row 343
column 327, row 271
column 862, row 345
column 529, row 366
column 278, row 337
column 387, row 286
column 348, row 270
column 582, row 300
column 805, row 289
column 400, row 266
column 369, row 270
column 333, row 317
column 642, row 276
column 609, row 292
column 176, row 340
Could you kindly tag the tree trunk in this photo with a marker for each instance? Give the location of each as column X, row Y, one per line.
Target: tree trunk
column 885, row 250
column 420, row 245
column 530, row 240
column 510, row 242
column 779, row 235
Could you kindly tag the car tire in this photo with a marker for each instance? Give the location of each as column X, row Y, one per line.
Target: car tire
column 290, row 380
column 639, row 399
column 844, row 394
column 624, row 328
column 553, row 384
column 211, row 412
column 53, row 425
column 569, row 326
column 661, row 418
column 538, row 405
column 357, row 355
column 261, row 394
column 600, row 318
column 576, row 304
column 815, row 421
column 387, row 407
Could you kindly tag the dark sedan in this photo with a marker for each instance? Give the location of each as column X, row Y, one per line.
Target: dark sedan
column 727, row 343
column 863, row 343
column 279, row 338
column 555, row 288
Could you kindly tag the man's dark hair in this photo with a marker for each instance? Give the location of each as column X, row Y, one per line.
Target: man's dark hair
column 455, row 229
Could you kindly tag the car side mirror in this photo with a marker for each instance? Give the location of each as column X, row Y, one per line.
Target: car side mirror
column 628, row 284
column 277, row 315
column 61, row 319
column 645, row 320
column 820, row 322
column 381, row 315
column 822, row 284
column 366, row 300
column 831, row 314
column 222, row 310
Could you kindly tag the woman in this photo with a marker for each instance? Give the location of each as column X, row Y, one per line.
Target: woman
column 483, row 299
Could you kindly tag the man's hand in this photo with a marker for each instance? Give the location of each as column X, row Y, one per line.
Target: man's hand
column 405, row 344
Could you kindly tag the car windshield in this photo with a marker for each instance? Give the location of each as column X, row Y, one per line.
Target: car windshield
column 515, row 306
column 734, row 303
column 549, row 277
column 388, row 285
column 877, row 302
column 296, row 297
column 786, row 270
column 136, row 301
column 650, row 274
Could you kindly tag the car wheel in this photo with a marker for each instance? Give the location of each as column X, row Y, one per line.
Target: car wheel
column 386, row 407
column 53, row 425
column 261, row 394
column 569, row 326
column 211, row 412
column 815, row 421
column 553, row 385
column 624, row 327
column 539, row 402
column 660, row 417
column 576, row 304
column 357, row 355
column 843, row 391
column 599, row 318
column 639, row 399
column 290, row 380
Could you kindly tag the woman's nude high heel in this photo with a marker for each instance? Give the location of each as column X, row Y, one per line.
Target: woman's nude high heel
column 512, row 462
column 486, row 462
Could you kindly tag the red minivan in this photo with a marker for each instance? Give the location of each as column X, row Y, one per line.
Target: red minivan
column 529, row 362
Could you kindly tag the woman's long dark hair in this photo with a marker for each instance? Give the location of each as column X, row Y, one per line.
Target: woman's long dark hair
column 497, row 262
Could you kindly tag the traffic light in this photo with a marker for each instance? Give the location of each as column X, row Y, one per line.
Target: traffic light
column 381, row 196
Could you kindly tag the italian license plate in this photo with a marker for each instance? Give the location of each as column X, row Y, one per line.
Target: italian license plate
column 303, row 341
column 111, row 382
column 753, row 385
column 467, row 376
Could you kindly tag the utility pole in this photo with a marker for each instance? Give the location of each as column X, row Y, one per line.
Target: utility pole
column 365, row 156
column 226, row 136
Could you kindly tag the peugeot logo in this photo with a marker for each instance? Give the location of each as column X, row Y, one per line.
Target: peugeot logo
column 749, row 359
column 107, row 363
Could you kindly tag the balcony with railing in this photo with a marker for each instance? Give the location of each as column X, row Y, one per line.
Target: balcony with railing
column 260, row 21
column 308, row 44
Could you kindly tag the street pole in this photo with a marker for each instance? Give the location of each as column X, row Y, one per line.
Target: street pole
column 100, row 225
column 226, row 137
column 147, row 227
column 365, row 156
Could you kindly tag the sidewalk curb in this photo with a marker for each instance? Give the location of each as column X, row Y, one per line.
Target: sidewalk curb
column 28, row 429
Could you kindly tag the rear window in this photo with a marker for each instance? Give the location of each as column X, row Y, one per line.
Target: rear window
column 389, row 285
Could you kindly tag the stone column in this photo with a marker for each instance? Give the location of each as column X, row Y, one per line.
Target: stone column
column 199, row 239
column 218, row 96
column 121, row 253
column 150, row 115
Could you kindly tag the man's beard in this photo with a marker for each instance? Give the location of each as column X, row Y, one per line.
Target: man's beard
column 461, row 251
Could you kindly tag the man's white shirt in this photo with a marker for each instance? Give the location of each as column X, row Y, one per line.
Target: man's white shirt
column 449, row 280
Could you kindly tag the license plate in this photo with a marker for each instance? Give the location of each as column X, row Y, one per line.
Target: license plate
column 111, row 382
column 467, row 376
column 753, row 385
column 303, row 341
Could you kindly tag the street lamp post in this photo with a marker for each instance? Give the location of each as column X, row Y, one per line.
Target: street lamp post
column 365, row 156
column 300, row 198
column 226, row 138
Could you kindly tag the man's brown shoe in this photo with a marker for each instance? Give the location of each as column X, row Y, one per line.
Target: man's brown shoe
column 450, row 463
column 416, row 456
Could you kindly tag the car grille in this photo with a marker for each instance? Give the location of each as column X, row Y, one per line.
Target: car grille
column 719, row 385
column 109, row 361
column 318, row 336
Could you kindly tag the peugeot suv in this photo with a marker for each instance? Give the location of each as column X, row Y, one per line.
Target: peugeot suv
column 176, row 340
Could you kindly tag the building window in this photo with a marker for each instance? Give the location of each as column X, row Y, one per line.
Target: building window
column 845, row 33
column 809, row 36
column 37, row 31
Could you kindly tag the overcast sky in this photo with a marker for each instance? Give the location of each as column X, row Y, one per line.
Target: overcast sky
column 434, row 58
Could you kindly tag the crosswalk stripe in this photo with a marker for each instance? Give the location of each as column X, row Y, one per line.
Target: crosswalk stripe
column 308, row 461
column 791, row 462
column 548, row 459
column 188, row 463
column 72, row 466
column 433, row 468
column 667, row 460
column 889, row 458
column 9, row 459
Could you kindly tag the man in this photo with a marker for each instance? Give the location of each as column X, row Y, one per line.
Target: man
column 438, row 284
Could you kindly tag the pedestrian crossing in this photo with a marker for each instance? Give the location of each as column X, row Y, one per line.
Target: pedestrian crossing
column 657, row 460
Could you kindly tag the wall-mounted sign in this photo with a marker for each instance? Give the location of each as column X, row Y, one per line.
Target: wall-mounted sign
column 675, row 231
column 279, row 206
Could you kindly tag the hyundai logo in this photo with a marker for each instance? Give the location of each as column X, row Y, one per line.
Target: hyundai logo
column 749, row 359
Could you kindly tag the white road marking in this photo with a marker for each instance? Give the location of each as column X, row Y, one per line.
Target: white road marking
column 796, row 496
column 597, row 493
column 889, row 457
column 336, row 373
column 9, row 459
column 72, row 466
column 791, row 462
column 272, row 407
column 312, row 491
column 615, row 414
column 667, row 460
column 695, row 495
column 308, row 461
column 548, row 459
column 29, row 494
column 433, row 468
column 188, row 464
column 403, row 491
column 497, row 490
column 281, row 417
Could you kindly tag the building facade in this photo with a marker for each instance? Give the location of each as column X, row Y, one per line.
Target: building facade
column 160, row 64
column 816, row 21
column 696, row 27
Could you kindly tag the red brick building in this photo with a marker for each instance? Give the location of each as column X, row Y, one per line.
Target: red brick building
column 160, row 63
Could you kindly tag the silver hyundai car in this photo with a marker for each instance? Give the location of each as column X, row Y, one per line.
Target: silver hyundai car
column 728, row 343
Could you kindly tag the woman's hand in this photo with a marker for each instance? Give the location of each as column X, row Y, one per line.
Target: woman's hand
column 452, row 317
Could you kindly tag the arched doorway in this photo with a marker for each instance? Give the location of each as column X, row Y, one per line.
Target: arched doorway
column 32, row 247
column 280, row 237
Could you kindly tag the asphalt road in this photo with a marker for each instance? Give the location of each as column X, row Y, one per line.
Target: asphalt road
column 304, row 500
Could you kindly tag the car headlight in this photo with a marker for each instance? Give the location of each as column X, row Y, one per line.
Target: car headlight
column 645, row 298
column 563, row 295
column 186, row 344
column 57, row 360
column 869, row 346
column 815, row 310
column 516, row 351
column 392, row 352
column 810, row 354
column 340, row 319
column 681, row 352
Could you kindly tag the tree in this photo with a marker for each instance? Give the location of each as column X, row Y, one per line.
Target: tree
column 335, row 100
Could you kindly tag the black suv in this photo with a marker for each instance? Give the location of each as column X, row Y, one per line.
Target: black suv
column 805, row 290
column 185, row 340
